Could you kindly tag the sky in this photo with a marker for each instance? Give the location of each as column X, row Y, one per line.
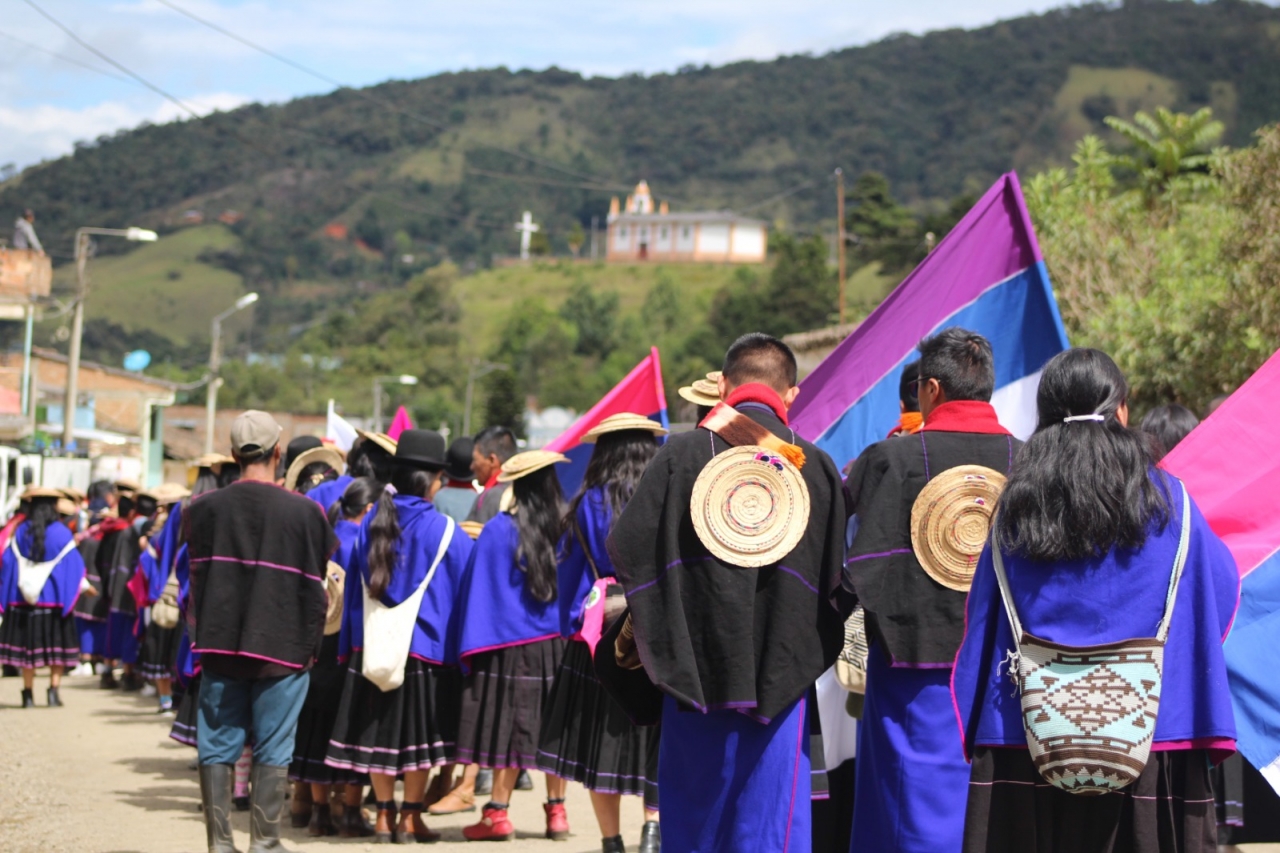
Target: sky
column 48, row 101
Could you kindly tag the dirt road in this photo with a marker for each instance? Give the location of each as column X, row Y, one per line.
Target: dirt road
column 100, row 775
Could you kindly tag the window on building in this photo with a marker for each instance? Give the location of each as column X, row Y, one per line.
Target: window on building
column 622, row 232
column 686, row 232
column 664, row 233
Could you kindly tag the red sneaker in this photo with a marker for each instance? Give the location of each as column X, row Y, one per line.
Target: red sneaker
column 493, row 826
column 557, row 821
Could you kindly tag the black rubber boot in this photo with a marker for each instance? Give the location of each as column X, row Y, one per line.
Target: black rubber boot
column 613, row 845
column 266, row 796
column 28, row 700
column 321, row 823
column 55, row 701
column 651, row 837
column 215, row 796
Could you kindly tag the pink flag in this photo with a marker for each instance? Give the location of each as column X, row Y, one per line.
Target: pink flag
column 399, row 424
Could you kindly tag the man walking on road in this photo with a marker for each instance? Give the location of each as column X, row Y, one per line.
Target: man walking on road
column 258, row 556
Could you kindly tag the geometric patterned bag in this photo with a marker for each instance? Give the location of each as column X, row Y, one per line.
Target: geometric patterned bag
column 1089, row 712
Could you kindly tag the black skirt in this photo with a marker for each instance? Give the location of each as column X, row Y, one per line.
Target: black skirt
column 1169, row 809
column 32, row 637
column 159, row 652
column 502, row 704
column 316, row 722
column 586, row 736
column 413, row 727
column 1248, row 808
column 183, row 729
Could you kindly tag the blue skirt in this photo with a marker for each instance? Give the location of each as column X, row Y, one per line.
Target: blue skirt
column 93, row 636
column 122, row 645
column 732, row 784
column 912, row 779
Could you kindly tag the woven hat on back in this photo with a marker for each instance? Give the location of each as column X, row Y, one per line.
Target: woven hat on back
column 621, row 422
column 950, row 521
column 750, row 506
column 328, row 455
column 524, row 464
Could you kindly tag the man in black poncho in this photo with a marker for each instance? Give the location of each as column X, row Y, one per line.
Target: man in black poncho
column 258, row 556
column 735, row 650
column 912, row 779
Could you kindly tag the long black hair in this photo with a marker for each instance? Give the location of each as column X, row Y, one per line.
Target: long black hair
column 44, row 511
column 1166, row 426
column 206, row 481
column 1079, row 489
column 369, row 459
column 313, row 475
column 538, row 510
column 359, row 493
column 384, row 528
column 617, row 463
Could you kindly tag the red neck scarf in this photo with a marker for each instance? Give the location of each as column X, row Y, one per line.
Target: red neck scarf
column 965, row 416
column 755, row 392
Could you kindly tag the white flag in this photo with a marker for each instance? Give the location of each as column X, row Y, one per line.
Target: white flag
column 339, row 431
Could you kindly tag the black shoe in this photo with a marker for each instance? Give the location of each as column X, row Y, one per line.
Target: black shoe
column 28, row 700
column 321, row 823
column 524, row 782
column 612, row 845
column 55, row 701
column 108, row 681
column 484, row 782
column 131, row 682
column 651, row 837
column 242, row 804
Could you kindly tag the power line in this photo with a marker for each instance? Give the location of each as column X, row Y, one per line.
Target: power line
column 64, row 58
column 365, row 95
column 533, row 179
column 784, row 194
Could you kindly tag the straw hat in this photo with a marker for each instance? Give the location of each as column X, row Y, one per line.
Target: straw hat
column 66, row 506
column 523, row 464
column 328, row 455
column 32, row 492
column 950, row 521
column 621, row 422
column 703, row 392
column 212, row 461
column 750, row 506
column 127, row 487
column 168, row 493
column 72, row 494
column 472, row 528
column 381, row 439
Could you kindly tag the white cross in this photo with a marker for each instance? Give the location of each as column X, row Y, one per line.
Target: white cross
column 526, row 228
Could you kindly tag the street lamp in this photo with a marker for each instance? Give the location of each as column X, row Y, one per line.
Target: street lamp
column 378, row 382
column 138, row 235
column 215, row 364
column 478, row 369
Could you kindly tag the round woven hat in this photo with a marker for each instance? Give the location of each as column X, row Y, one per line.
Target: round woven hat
column 335, row 578
column 703, row 392
column 750, row 506
column 212, row 461
column 328, row 455
column 381, row 439
column 472, row 528
column 950, row 521
column 621, row 422
column 526, row 463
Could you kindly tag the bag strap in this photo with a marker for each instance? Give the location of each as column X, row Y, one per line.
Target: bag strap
column 1179, row 563
column 449, row 527
column 577, row 534
column 67, row 549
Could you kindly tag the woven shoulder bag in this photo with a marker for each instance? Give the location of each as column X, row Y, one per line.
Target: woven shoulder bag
column 1089, row 712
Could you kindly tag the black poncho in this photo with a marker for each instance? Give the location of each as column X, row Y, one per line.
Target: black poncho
column 715, row 636
column 258, row 555
column 916, row 620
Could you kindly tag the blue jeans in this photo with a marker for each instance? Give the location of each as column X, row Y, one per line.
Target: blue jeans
column 232, row 708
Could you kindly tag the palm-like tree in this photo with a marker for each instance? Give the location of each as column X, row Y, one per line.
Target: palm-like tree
column 1168, row 145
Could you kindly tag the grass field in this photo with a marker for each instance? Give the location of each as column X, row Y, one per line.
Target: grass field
column 161, row 286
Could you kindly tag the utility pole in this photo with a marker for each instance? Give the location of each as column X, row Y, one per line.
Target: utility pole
column 77, row 331
column 840, row 236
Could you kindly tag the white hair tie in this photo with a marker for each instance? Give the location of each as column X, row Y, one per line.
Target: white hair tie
column 1093, row 417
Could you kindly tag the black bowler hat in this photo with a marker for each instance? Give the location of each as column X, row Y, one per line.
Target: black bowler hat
column 460, row 459
column 421, row 448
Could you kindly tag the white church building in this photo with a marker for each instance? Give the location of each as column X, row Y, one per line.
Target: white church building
column 638, row 232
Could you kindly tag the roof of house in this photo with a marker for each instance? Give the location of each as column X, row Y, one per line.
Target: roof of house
column 54, row 355
column 680, row 218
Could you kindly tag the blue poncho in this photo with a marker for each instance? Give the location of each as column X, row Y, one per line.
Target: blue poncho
column 63, row 586
column 595, row 518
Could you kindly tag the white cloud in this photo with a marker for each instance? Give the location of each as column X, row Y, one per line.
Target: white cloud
column 44, row 131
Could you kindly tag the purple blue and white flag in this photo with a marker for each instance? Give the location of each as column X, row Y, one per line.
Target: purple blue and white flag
column 987, row 275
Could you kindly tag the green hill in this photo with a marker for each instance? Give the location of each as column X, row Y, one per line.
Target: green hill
column 440, row 168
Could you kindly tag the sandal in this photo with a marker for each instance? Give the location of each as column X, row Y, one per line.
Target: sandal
column 453, row 802
column 407, row 833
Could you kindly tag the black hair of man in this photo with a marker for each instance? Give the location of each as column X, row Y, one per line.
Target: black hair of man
column 496, row 441
column 962, row 363
column 757, row 357
column 907, row 391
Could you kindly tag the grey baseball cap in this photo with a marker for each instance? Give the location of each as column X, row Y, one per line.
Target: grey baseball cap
column 254, row 435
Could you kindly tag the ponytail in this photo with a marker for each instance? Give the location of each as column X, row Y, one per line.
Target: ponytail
column 44, row 511
column 384, row 527
column 540, row 506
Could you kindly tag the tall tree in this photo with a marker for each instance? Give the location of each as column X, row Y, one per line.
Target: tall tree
column 1168, row 146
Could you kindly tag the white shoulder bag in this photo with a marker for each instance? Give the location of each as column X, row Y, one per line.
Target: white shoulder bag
column 388, row 631
column 32, row 576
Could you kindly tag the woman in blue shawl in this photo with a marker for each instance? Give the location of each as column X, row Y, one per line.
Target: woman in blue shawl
column 41, row 576
column 586, row 736
column 1089, row 534
column 407, row 730
column 509, row 641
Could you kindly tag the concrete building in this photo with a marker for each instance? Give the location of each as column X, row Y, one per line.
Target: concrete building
column 640, row 231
